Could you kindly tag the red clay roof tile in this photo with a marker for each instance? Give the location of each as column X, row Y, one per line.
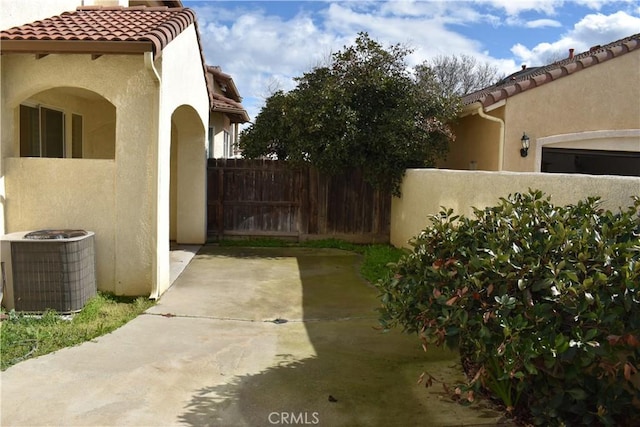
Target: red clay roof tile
column 229, row 102
column 155, row 25
column 533, row 77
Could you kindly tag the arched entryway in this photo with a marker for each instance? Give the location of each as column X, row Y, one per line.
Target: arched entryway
column 187, row 195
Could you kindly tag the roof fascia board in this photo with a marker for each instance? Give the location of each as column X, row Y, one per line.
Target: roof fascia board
column 496, row 105
column 75, row 46
column 470, row 109
column 229, row 111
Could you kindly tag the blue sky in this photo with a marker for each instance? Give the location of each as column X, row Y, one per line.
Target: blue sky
column 265, row 44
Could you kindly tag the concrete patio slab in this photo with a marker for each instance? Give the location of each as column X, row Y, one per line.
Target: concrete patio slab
column 211, row 353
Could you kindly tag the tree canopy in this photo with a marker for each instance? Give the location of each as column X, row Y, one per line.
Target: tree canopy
column 459, row 74
column 363, row 110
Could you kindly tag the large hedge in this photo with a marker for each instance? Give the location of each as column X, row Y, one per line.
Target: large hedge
column 542, row 301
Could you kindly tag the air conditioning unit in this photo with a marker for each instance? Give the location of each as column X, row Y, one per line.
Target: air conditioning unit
column 48, row 269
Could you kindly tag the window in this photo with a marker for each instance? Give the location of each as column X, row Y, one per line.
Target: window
column 228, row 152
column 76, row 136
column 211, row 135
column 42, row 132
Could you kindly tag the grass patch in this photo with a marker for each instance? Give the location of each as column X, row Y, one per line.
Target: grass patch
column 258, row 242
column 334, row 244
column 26, row 336
column 376, row 259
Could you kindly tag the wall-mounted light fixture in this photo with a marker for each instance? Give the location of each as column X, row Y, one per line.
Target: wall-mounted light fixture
column 525, row 145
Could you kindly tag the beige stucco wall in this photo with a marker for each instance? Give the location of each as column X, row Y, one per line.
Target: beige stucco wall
column 220, row 123
column 18, row 12
column 477, row 140
column 184, row 114
column 602, row 98
column 98, row 117
column 126, row 84
column 424, row 191
column 150, row 98
column 40, row 192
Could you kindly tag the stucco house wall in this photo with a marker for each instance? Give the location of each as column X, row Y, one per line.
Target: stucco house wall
column 477, row 143
column 124, row 197
column 114, row 201
column 220, row 123
column 594, row 108
column 18, row 12
column 98, row 117
column 602, row 97
column 183, row 116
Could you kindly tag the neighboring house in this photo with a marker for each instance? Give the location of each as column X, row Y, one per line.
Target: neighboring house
column 104, row 123
column 581, row 115
column 227, row 114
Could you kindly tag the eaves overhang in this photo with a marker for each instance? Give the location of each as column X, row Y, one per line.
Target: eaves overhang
column 75, row 46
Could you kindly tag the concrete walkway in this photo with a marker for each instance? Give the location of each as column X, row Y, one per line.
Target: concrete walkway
column 245, row 337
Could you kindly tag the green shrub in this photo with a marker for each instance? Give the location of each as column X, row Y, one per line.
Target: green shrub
column 542, row 301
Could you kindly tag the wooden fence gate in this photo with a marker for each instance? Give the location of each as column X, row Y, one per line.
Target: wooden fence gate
column 267, row 198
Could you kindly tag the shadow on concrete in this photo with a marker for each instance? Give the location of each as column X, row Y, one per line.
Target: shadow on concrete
column 333, row 367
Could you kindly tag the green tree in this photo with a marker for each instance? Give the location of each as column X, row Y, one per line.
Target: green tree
column 363, row 110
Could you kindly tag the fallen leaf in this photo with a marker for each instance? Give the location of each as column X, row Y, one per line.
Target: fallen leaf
column 489, row 289
column 421, row 378
column 470, row 396
column 452, row 300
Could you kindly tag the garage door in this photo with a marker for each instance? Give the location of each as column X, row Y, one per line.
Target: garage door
column 593, row 162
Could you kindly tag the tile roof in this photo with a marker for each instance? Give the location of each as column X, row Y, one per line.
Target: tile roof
column 131, row 29
column 229, row 102
column 530, row 78
column 235, row 110
column 226, row 81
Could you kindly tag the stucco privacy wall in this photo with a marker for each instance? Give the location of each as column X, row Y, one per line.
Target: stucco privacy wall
column 424, row 191
column 123, row 230
column 184, row 113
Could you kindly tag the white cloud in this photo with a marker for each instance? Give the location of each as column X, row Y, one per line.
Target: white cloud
column 258, row 49
column 542, row 23
column 593, row 29
column 263, row 51
column 599, row 4
column 516, row 7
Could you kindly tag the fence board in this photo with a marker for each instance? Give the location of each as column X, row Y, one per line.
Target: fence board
column 268, row 198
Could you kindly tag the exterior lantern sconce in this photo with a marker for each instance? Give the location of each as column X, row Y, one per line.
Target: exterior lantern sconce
column 525, row 145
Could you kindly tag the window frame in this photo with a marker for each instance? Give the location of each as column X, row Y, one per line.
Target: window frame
column 41, row 140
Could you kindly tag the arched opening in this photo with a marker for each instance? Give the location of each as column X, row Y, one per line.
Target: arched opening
column 187, row 188
column 67, row 122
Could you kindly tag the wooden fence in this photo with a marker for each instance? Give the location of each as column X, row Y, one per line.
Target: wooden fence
column 267, row 198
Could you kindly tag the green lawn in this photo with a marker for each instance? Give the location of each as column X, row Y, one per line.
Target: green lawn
column 25, row 336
